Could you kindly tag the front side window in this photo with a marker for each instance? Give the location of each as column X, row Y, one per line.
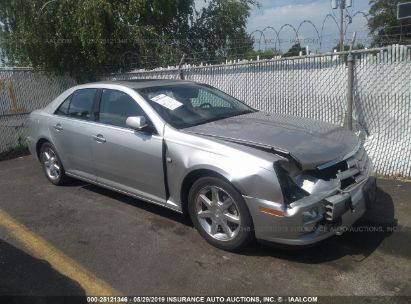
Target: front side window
column 186, row 105
column 116, row 107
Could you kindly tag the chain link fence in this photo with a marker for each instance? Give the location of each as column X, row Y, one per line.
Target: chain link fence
column 312, row 86
column 316, row 87
column 22, row 91
column 382, row 106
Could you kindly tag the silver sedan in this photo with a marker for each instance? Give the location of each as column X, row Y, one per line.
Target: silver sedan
column 239, row 173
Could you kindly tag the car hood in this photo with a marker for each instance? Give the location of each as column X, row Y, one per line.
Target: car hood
column 309, row 142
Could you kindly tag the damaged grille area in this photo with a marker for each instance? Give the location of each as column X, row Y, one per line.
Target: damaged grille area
column 356, row 171
column 349, row 172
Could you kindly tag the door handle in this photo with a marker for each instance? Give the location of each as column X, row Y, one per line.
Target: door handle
column 99, row 138
column 58, row 127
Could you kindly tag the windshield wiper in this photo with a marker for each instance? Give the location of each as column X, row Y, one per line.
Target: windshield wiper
column 207, row 121
column 220, row 118
column 244, row 112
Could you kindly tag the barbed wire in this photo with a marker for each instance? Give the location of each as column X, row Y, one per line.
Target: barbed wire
column 296, row 29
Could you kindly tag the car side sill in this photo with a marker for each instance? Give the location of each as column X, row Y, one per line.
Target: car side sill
column 169, row 205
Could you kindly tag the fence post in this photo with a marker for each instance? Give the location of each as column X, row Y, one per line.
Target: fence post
column 350, row 89
column 180, row 65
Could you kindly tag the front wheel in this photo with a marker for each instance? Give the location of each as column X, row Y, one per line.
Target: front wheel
column 219, row 213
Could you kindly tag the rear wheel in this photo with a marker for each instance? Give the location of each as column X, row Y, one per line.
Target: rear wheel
column 51, row 164
column 219, row 213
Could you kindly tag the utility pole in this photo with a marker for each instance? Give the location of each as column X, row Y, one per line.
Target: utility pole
column 180, row 65
column 401, row 35
column 341, row 5
column 350, row 87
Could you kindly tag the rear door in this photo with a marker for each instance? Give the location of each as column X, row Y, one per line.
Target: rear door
column 71, row 128
column 123, row 158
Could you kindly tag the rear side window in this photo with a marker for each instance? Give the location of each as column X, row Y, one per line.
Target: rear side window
column 82, row 103
column 116, row 107
column 64, row 107
column 78, row 105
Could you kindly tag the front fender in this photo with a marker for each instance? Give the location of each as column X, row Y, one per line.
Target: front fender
column 247, row 172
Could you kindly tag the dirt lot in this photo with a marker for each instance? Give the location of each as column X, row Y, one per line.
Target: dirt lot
column 62, row 240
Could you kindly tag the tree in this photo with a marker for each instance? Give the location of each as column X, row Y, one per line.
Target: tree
column 266, row 54
column 295, row 50
column 383, row 23
column 358, row 46
column 89, row 37
column 219, row 30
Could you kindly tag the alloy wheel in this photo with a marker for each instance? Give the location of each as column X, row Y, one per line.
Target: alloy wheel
column 51, row 164
column 218, row 213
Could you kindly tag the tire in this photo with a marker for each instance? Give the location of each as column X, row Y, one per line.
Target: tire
column 219, row 213
column 52, row 166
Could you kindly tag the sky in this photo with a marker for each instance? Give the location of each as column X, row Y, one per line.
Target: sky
column 276, row 13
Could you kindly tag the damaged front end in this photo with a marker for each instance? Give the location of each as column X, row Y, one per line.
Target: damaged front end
column 320, row 202
column 341, row 179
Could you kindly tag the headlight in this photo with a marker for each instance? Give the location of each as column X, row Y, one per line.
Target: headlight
column 313, row 184
column 291, row 192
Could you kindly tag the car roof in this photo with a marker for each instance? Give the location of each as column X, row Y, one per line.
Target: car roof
column 142, row 83
column 111, row 84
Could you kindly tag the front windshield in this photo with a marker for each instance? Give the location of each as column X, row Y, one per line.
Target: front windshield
column 187, row 105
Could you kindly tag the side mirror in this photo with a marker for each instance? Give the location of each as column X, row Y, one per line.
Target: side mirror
column 136, row 122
